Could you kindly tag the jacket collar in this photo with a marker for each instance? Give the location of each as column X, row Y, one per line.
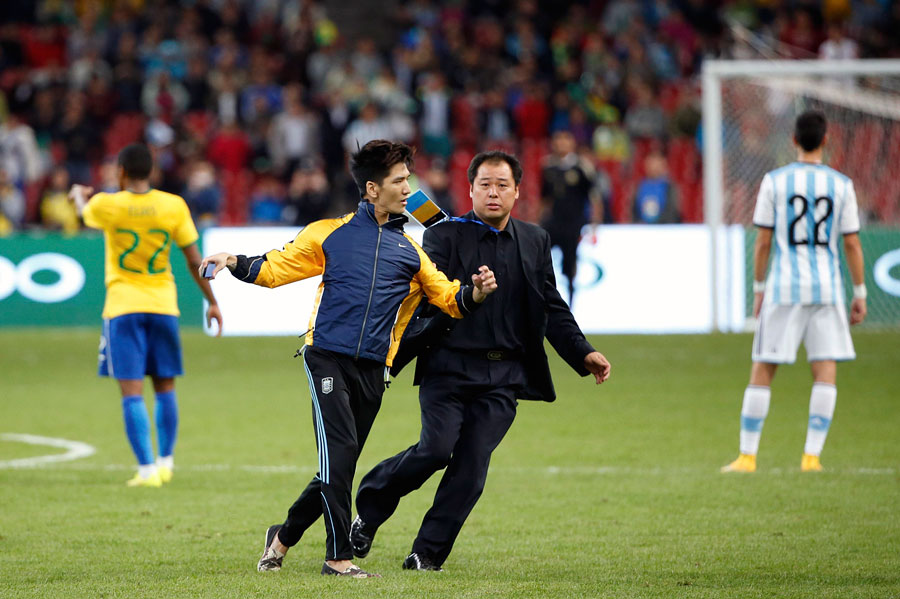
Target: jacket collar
column 471, row 216
column 367, row 210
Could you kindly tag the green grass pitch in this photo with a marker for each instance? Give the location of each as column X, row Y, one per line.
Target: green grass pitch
column 613, row 491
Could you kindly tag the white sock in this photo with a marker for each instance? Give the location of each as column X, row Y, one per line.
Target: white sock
column 146, row 470
column 753, row 413
column 166, row 462
column 821, row 410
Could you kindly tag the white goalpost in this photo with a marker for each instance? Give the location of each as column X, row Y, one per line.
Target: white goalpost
column 749, row 107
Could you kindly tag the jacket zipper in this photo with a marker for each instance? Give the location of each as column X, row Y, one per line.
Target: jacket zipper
column 362, row 331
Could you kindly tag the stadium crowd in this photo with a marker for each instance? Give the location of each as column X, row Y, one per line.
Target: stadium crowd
column 252, row 107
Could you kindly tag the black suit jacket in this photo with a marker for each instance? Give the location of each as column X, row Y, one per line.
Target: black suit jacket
column 453, row 248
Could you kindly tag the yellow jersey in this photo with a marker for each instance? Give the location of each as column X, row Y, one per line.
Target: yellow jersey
column 139, row 230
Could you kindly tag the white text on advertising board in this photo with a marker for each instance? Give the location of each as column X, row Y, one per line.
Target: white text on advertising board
column 21, row 278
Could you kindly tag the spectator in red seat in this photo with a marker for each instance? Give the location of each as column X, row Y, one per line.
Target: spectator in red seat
column 80, row 137
column 496, row 120
column 202, row 194
column 802, row 35
column 164, row 97
column 57, row 212
column 128, row 77
column 12, row 204
column 229, row 149
column 262, row 96
column 532, row 114
column 435, row 182
column 370, row 125
column 435, row 120
column 197, row 86
column 267, row 201
column 656, row 200
column 308, row 196
column 44, row 47
column 644, row 119
column 20, row 156
column 294, row 134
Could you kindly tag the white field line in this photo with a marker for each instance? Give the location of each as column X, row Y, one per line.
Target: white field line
column 75, row 450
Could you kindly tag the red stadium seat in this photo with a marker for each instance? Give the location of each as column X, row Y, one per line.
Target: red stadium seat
column 126, row 128
column 459, row 182
column 199, row 123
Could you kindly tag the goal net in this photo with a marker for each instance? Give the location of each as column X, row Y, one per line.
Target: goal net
column 751, row 107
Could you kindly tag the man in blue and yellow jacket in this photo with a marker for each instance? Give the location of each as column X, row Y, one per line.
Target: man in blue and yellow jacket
column 373, row 276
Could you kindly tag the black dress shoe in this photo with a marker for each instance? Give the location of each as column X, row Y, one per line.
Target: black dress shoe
column 361, row 537
column 417, row 561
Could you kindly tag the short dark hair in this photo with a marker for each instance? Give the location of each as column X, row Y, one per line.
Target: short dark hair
column 810, row 129
column 136, row 161
column 374, row 161
column 495, row 156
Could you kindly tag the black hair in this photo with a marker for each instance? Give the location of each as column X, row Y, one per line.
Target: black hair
column 136, row 160
column 495, row 156
column 374, row 161
column 810, row 130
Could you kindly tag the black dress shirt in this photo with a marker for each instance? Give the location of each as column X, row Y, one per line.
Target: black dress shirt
column 500, row 323
column 488, row 345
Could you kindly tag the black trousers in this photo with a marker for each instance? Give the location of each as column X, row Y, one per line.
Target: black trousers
column 462, row 424
column 346, row 395
column 567, row 238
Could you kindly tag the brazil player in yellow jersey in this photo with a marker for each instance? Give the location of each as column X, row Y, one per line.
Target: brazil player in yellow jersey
column 140, row 316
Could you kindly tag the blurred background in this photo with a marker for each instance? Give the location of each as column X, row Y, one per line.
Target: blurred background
column 252, row 107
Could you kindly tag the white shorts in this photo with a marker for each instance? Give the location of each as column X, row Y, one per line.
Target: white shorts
column 823, row 329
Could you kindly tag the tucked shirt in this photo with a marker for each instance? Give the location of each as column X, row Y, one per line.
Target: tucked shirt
column 500, row 323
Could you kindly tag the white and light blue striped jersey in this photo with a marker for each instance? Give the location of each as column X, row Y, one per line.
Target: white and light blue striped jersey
column 810, row 207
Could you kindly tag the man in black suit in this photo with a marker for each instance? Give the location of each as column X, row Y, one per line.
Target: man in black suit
column 471, row 372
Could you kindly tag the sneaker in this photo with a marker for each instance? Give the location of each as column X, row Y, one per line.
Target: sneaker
column 151, row 481
column 270, row 560
column 351, row 572
column 744, row 463
column 810, row 463
column 165, row 474
column 361, row 537
column 417, row 561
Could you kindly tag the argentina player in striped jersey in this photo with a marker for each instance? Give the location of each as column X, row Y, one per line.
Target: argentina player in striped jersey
column 804, row 208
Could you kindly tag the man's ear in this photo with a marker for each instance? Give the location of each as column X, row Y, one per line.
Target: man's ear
column 372, row 189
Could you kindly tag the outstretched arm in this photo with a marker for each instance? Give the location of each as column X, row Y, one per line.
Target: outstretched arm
column 298, row 259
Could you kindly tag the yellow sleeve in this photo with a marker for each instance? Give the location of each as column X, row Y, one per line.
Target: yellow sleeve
column 185, row 232
column 97, row 213
column 440, row 291
column 299, row 259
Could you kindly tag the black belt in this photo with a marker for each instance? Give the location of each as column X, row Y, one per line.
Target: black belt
column 495, row 355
